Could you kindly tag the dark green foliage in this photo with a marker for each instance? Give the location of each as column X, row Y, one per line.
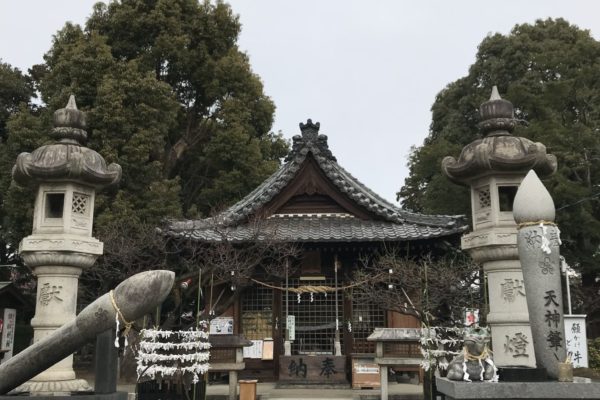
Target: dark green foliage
column 169, row 97
column 550, row 71
column 16, row 92
column 15, row 89
column 594, row 354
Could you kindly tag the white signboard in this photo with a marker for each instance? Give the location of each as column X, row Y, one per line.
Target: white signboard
column 221, row 326
column 254, row 351
column 576, row 340
column 9, row 319
column 291, row 327
column 471, row 316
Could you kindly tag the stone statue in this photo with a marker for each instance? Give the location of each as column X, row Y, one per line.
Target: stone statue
column 475, row 364
column 130, row 300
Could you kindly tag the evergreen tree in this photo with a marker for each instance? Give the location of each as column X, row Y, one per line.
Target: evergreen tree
column 550, row 71
column 169, row 96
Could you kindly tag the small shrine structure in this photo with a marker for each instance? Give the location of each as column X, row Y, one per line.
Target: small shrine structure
column 313, row 202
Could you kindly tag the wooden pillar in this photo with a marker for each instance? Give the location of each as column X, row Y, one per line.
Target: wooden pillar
column 107, row 361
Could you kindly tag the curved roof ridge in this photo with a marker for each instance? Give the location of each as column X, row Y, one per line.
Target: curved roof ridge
column 384, row 208
column 311, row 142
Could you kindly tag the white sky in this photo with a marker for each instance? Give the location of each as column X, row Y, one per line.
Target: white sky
column 368, row 71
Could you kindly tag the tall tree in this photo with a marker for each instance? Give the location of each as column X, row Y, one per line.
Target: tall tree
column 220, row 146
column 550, row 71
column 16, row 93
column 169, row 96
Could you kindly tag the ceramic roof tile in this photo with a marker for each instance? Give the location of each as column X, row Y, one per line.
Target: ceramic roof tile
column 396, row 223
column 309, row 228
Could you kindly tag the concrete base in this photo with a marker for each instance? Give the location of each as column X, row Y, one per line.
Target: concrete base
column 58, row 388
column 581, row 388
column 89, row 396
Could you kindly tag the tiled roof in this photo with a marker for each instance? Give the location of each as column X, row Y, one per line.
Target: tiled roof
column 314, row 228
column 393, row 224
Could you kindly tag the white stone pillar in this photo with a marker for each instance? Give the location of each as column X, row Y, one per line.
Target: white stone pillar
column 55, row 306
column 57, row 263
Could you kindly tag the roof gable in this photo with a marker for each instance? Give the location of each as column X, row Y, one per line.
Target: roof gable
column 311, row 191
column 340, row 192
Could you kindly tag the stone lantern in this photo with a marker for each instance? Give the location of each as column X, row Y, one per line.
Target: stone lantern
column 493, row 167
column 66, row 175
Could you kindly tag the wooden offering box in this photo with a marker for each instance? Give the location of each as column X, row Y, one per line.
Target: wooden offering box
column 365, row 372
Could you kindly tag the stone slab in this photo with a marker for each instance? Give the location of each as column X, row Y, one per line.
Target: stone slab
column 582, row 388
column 89, row 396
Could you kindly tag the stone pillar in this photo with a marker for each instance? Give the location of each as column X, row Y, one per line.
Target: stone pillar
column 493, row 168
column 495, row 248
column 56, row 304
column 66, row 174
column 539, row 253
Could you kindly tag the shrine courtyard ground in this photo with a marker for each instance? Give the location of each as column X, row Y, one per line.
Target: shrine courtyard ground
column 268, row 391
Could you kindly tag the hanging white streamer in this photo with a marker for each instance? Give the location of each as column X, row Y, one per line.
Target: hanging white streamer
column 117, row 330
column 545, row 242
column 185, row 352
column 466, row 374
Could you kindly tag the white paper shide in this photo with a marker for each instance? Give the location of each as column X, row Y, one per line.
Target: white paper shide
column 173, row 354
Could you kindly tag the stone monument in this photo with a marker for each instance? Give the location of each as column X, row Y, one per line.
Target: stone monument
column 475, row 363
column 539, row 241
column 130, row 300
column 66, row 175
column 493, row 166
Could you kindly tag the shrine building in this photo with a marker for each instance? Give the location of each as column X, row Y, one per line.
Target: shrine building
column 334, row 220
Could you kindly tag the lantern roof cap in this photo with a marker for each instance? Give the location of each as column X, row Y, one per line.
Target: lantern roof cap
column 67, row 159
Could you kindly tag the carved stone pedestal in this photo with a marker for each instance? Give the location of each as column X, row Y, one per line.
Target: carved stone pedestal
column 581, row 388
column 57, row 261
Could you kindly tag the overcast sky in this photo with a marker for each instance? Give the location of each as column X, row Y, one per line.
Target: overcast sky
column 368, row 71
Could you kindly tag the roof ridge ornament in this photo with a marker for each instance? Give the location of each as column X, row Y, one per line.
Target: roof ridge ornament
column 67, row 159
column 498, row 151
column 309, row 140
column 497, row 116
column 310, row 130
column 69, row 124
column 495, row 95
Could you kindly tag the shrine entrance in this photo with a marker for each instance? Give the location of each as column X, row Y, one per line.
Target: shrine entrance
column 314, row 317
